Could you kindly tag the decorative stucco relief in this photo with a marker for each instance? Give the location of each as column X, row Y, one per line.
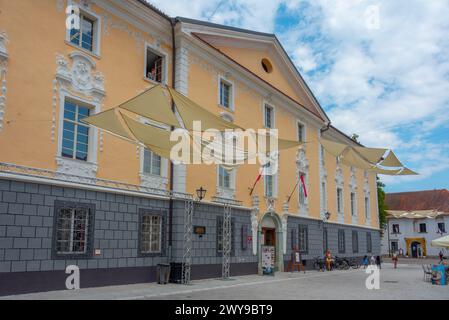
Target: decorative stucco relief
column 76, row 76
column 302, row 167
column 3, row 72
column 255, row 221
column 339, row 182
column 353, row 189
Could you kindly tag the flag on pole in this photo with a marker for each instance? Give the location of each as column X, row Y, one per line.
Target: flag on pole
column 257, row 180
column 304, row 185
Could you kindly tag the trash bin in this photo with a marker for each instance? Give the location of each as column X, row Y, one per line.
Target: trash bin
column 163, row 273
column 176, row 272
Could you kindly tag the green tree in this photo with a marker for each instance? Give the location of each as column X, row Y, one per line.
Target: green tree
column 382, row 206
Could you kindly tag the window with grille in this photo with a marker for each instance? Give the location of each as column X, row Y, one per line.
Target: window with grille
column 155, row 65
column 75, row 134
column 269, row 117
column 150, row 233
column 396, row 228
column 219, row 235
column 341, row 241
column 225, row 94
column 441, row 227
column 369, row 244
column 151, row 163
column 355, row 242
column 303, row 236
column 73, row 229
column 84, row 37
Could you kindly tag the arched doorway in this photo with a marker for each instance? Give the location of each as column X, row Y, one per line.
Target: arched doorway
column 416, row 249
column 270, row 234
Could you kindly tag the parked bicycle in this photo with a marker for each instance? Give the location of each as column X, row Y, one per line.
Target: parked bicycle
column 341, row 263
column 353, row 263
column 319, row 264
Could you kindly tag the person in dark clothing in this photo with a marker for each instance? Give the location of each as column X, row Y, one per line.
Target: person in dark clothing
column 379, row 262
column 441, row 256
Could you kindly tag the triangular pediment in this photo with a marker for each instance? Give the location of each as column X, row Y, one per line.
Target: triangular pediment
column 264, row 57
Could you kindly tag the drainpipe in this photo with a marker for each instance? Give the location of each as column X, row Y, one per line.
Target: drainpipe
column 173, row 23
column 326, row 128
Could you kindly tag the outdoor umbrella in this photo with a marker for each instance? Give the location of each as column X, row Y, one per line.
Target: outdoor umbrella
column 442, row 242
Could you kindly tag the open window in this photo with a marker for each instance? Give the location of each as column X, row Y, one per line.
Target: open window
column 154, row 66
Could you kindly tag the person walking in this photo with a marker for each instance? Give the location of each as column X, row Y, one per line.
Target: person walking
column 441, row 255
column 379, row 262
column 395, row 260
column 372, row 260
column 365, row 261
column 328, row 260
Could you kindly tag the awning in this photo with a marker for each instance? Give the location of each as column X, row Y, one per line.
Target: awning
column 442, row 242
column 153, row 104
column 391, row 161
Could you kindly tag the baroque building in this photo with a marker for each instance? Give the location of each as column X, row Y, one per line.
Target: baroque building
column 71, row 194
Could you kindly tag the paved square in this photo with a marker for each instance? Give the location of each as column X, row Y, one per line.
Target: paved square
column 406, row 282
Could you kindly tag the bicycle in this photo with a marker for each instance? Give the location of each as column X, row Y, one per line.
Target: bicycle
column 319, row 264
column 353, row 263
column 341, row 263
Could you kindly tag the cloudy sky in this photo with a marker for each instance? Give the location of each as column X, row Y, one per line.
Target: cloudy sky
column 379, row 68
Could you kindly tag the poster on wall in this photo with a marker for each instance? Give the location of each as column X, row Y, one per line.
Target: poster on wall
column 268, row 256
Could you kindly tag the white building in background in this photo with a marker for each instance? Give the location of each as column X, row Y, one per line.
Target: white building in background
column 414, row 220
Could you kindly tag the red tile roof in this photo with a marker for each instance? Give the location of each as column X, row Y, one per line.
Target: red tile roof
column 419, row 200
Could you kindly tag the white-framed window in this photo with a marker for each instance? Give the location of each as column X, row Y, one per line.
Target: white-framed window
column 324, row 196
column 367, row 207
column 353, row 204
column 269, row 116
column 87, row 37
column 340, row 200
column 323, row 156
column 75, row 134
column 301, row 193
column 270, row 183
column 150, row 233
column 225, row 93
column 224, row 178
column 155, row 65
column 152, row 163
column 301, row 128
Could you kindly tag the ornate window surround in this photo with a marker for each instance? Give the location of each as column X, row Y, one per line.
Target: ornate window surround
column 367, row 194
column 85, row 9
column 339, row 184
column 78, row 82
column 302, row 166
column 227, row 193
column 353, row 189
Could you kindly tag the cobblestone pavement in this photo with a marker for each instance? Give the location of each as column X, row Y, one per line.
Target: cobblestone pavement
column 406, row 282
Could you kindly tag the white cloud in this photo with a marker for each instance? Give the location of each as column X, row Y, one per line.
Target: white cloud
column 390, row 85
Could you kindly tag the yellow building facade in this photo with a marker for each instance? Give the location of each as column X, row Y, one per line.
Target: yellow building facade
column 52, row 76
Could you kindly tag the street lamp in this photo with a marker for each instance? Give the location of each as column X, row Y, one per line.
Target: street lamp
column 326, row 217
column 201, row 193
